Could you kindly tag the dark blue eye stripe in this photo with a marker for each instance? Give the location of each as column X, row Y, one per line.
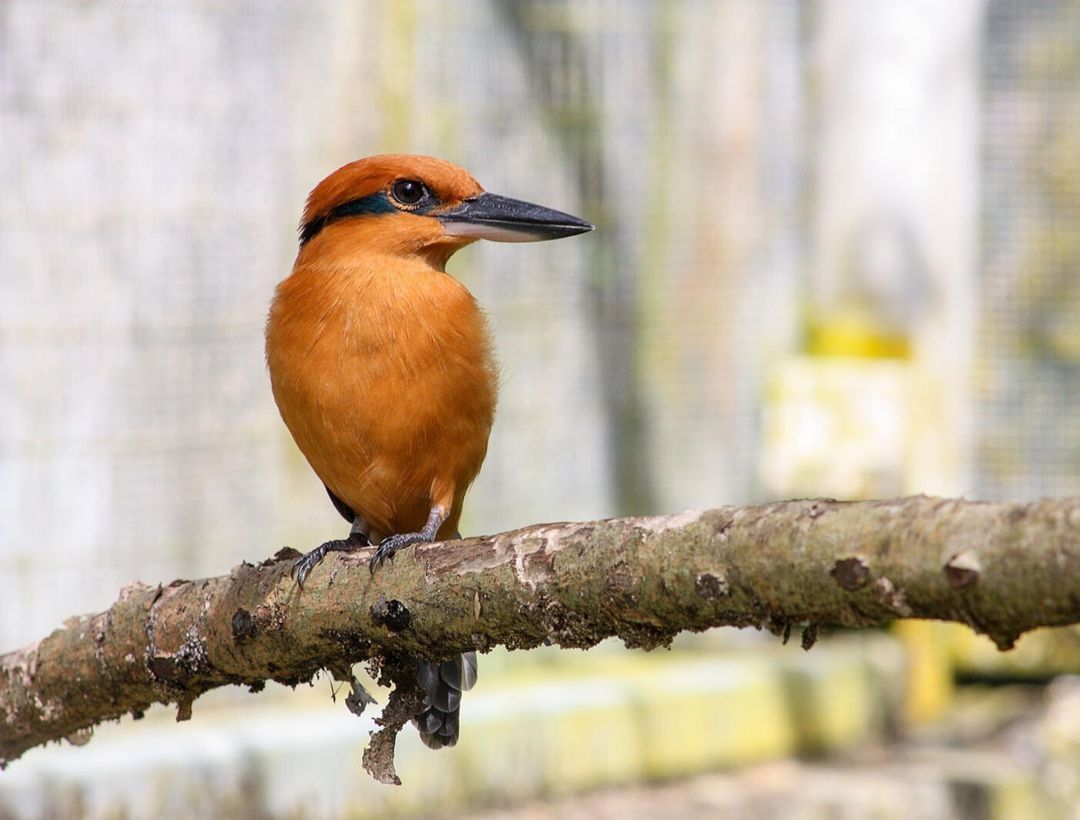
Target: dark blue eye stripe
column 364, row 206
column 372, row 204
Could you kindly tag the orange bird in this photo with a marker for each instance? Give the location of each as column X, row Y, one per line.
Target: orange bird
column 381, row 362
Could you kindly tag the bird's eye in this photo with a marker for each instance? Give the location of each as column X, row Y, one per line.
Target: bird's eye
column 409, row 191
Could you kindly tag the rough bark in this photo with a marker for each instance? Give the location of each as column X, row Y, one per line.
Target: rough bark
column 1001, row 568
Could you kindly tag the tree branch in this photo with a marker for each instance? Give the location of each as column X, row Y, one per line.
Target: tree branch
column 1001, row 568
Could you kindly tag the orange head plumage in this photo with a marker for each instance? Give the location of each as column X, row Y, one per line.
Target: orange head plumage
column 420, row 205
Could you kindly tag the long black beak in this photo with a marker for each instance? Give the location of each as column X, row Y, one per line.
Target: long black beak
column 499, row 218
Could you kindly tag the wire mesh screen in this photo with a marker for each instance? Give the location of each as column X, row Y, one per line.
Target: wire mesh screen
column 156, row 158
column 1029, row 369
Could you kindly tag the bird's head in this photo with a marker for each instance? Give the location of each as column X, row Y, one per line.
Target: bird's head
column 400, row 204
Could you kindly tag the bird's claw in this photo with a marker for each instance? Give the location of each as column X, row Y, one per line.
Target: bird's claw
column 303, row 565
column 306, row 563
column 391, row 544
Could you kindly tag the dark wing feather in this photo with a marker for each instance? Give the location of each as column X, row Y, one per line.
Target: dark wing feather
column 341, row 506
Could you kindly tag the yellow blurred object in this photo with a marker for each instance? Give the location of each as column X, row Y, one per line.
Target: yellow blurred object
column 851, row 336
column 930, row 687
column 1041, row 654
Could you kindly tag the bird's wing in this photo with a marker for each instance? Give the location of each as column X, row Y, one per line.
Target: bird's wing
column 339, row 505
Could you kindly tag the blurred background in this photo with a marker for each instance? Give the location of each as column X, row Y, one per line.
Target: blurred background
column 836, row 254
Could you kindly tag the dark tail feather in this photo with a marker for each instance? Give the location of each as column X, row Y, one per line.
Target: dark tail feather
column 443, row 684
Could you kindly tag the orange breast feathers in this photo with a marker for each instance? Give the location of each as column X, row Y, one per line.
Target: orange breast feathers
column 382, row 368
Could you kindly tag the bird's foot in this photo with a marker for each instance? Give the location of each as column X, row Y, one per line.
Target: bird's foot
column 392, row 543
column 305, row 564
